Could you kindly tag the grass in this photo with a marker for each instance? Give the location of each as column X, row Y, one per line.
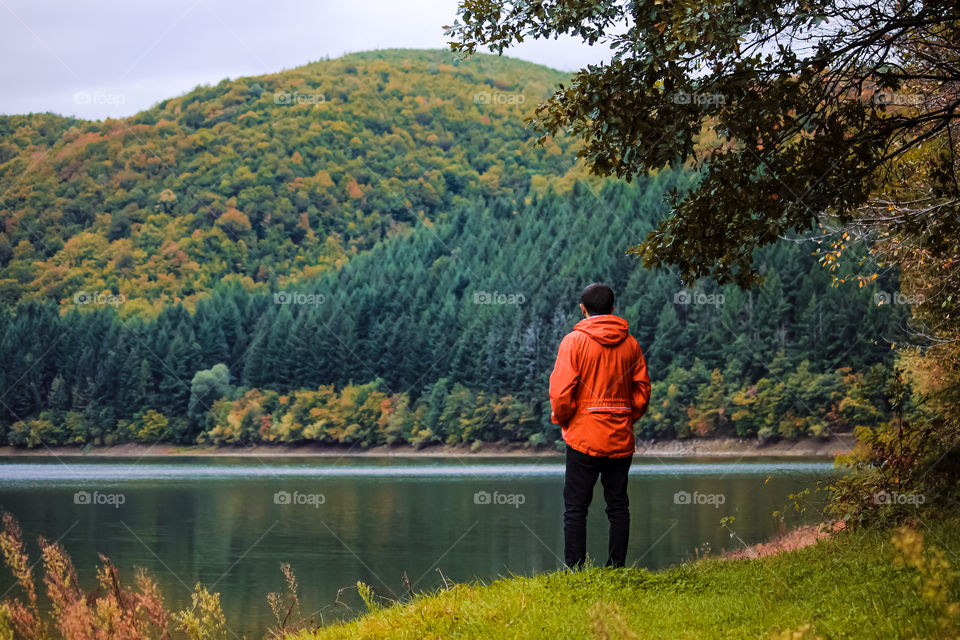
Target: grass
column 847, row 586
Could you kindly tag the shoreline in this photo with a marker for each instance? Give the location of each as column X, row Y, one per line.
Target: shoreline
column 785, row 540
column 690, row 448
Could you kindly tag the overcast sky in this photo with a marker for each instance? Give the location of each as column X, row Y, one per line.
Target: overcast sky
column 112, row 58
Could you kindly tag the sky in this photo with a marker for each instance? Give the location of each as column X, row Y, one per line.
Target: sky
column 113, row 58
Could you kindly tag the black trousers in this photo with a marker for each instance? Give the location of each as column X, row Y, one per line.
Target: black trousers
column 581, row 476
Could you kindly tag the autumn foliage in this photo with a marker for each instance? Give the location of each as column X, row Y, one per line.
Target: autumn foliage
column 110, row 611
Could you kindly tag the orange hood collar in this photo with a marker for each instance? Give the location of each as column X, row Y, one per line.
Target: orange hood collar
column 608, row 329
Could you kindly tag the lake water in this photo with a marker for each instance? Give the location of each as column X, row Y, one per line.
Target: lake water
column 230, row 522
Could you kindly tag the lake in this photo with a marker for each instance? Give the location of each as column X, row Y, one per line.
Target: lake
column 231, row 522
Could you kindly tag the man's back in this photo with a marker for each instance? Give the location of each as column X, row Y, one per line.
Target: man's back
column 599, row 387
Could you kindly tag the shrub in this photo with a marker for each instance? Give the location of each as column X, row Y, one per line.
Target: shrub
column 109, row 612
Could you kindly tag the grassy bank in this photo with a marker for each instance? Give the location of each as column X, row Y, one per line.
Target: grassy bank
column 852, row 585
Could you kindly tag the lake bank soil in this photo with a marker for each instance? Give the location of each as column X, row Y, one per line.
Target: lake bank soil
column 690, row 448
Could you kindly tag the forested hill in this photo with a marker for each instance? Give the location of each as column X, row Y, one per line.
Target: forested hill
column 270, row 178
column 387, row 261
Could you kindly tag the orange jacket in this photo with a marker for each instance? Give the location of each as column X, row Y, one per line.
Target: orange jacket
column 599, row 387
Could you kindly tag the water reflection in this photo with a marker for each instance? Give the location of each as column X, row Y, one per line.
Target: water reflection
column 226, row 523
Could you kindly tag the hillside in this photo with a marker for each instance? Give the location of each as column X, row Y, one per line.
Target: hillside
column 268, row 178
column 388, row 261
column 447, row 334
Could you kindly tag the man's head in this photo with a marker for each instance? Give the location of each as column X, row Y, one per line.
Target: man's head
column 596, row 299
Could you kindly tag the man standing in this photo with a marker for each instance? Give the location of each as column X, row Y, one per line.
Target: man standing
column 599, row 387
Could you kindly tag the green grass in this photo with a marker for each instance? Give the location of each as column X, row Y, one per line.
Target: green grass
column 844, row 587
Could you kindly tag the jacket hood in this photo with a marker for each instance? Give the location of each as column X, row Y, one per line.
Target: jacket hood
column 609, row 330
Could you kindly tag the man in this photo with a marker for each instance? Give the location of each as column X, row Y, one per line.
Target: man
column 599, row 387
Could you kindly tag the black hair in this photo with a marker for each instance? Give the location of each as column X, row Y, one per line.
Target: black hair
column 597, row 298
